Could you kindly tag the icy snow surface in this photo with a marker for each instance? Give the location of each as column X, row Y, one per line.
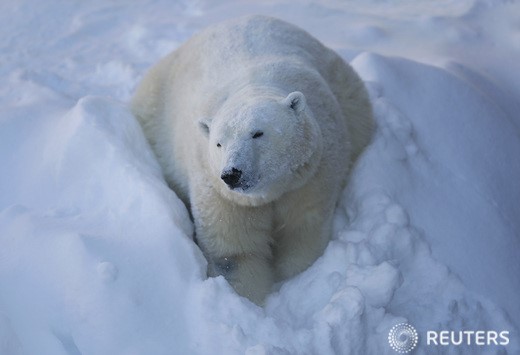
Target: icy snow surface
column 96, row 254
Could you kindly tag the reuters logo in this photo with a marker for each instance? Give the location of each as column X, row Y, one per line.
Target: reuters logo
column 403, row 338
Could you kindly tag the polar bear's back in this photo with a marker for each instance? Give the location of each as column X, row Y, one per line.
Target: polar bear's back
column 228, row 51
column 256, row 38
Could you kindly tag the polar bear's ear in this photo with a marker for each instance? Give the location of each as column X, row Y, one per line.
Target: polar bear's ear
column 296, row 101
column 204, row 124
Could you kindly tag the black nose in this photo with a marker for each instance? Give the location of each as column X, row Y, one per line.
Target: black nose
column 231, row 177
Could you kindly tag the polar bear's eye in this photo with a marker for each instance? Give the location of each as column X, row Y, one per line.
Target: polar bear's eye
column 218, row 145
column 258, row 134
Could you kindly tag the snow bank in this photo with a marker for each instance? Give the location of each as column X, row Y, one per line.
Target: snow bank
column 459, row 160
column 90, row 238
column 96, row 255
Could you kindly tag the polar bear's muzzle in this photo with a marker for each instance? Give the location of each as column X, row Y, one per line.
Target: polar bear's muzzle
column 232, row 178
column 237, row 180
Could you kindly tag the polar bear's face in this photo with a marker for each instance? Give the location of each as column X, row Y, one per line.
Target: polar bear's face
column 261, row 146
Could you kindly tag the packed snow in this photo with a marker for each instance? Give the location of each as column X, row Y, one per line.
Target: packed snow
column 96, row 252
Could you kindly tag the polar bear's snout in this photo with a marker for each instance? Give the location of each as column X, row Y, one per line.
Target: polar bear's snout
column 232, row 177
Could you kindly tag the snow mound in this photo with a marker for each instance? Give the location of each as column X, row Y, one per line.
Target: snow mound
column 81, row 259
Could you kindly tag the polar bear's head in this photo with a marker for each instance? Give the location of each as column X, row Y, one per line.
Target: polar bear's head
column 261, row 145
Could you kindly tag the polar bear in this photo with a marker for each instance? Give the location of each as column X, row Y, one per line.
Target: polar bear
column 256, row 125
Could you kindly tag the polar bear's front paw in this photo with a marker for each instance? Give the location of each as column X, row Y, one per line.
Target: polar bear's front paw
column 225, row 265
column 250, row 275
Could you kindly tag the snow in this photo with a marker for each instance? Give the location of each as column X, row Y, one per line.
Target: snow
column 96, row 255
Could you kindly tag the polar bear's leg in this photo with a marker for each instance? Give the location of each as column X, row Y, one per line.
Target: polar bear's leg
column 236, row 241
column 250, row 275
column 304, row 232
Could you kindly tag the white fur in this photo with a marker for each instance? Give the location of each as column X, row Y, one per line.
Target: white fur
column 312, row 117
